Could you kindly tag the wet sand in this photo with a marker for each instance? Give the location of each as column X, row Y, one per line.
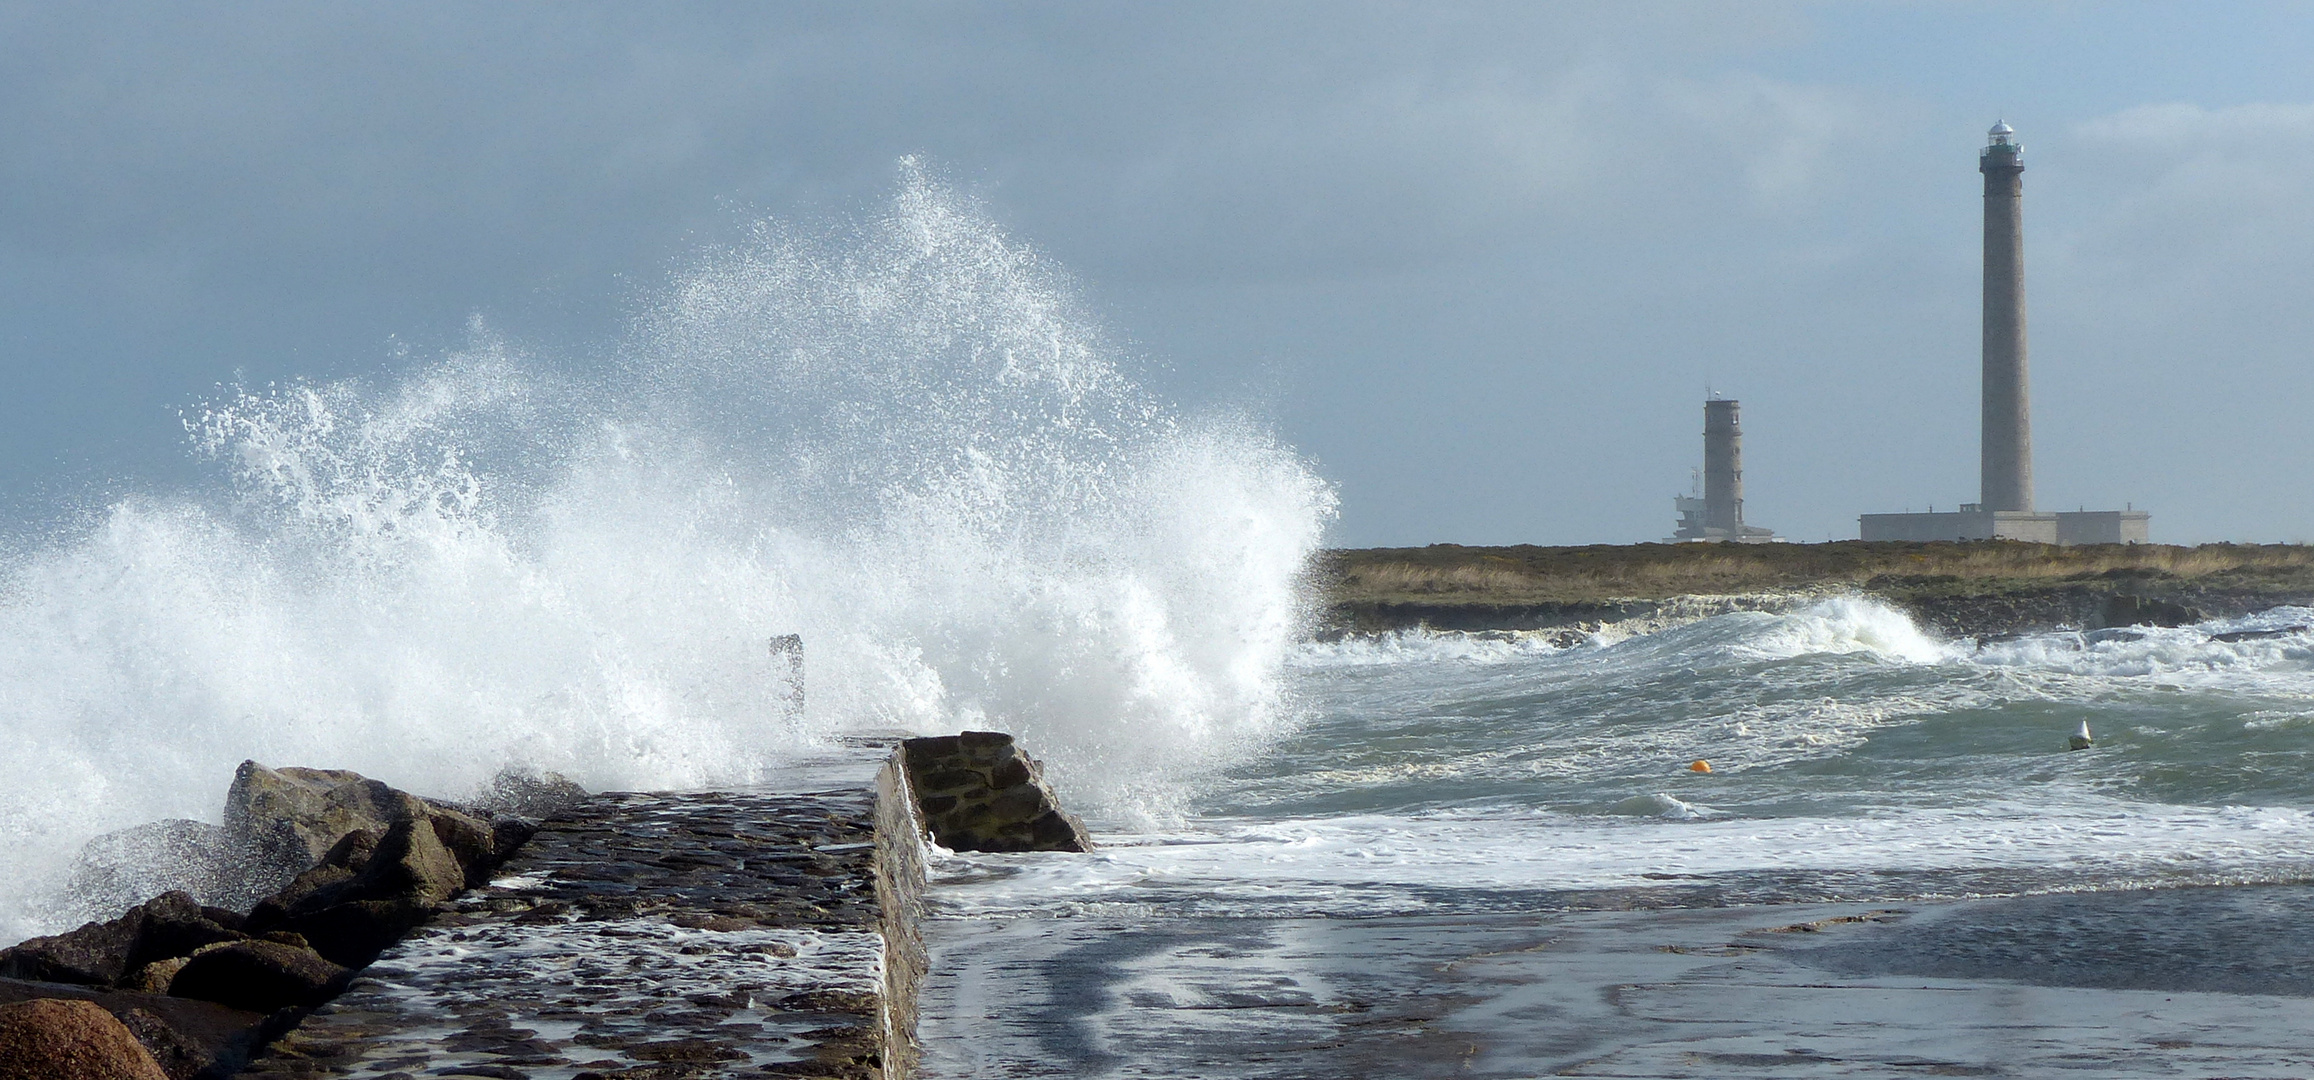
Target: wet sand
column 2209, row 982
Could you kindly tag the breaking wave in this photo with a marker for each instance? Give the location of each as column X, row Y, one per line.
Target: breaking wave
column 900, row 439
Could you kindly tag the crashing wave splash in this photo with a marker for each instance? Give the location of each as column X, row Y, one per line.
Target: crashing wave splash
column 901, row 439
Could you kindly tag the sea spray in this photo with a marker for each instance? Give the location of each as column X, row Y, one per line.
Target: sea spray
column 902, row 440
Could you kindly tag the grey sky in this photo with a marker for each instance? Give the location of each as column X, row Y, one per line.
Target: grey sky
column 1478, row 260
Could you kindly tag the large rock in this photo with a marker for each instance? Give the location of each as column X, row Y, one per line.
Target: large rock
column 411, row 861
column 259, row 976
column 366, row 894
column 523, row 793
column 121, row 868
column 279, row 822
column 181, row 1056
column 155, row 977
column 977, row 792
column 175, row 925
column 53, row 1039
column 300, row 817
column 290, row 818
column 193, row 1040
column 351, row 865
column 2123, row 609
column 97, row 954
column 471, row 842
column 111, row 953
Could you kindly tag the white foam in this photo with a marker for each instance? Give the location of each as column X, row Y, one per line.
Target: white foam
column 1849, row 624
column 1283, row 867
column 2183, row 654
column 1664, row 805
column 1424, row 646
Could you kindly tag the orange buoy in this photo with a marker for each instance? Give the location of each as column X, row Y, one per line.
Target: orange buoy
column 1700, row 766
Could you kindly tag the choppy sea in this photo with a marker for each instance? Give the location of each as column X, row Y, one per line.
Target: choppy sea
column 1852, row 756
column 1458, row 797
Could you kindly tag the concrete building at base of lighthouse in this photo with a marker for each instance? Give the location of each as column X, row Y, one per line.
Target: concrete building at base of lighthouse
column 1973, row 522
column 2005, row 510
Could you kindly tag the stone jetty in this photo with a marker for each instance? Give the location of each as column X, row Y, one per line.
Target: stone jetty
column 694, row 936
column 769, row 932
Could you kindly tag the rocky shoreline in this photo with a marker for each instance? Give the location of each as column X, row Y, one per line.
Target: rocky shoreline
column 701, row 936
column 1954, row 616
column 343, row 868
column 543, row 931
column 1958, row 590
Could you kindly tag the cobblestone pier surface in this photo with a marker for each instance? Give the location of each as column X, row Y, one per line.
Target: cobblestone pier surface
column 693, row 936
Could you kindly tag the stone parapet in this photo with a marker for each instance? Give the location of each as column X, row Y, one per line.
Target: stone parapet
column 978, row 792
column 900, row 895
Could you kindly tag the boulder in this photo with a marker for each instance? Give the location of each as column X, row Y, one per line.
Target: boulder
column 353, row 932
column 120, row 868
column 327, row 882
column 2123, row 609
column 112, row 953
column 193, row 1040
column 176, row 926
column 294, row 818
column 473, row 843
column 351, row 864
column 97, row 954
column 977, row 791
column 366, row 894
column 260, row 976
column 154, row 978
column 271, row 912
column 507, row 834
column 523, row 793
column 410, row 861
column 54, row 1039
column 290, row 818
column 353, row 850
column 180, row 1056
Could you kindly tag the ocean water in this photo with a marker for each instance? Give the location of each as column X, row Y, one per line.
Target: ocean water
column 1472, row 842
column 1853, row 757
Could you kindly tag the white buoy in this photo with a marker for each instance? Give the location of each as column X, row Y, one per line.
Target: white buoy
column 2081, row 739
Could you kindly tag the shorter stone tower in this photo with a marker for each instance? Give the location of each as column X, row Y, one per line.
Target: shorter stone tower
column 1719, row 514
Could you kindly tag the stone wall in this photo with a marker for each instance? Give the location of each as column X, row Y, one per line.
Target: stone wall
column 977, row 791
column 900, row 891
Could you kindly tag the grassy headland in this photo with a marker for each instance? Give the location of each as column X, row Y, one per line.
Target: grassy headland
column 1960, row 587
